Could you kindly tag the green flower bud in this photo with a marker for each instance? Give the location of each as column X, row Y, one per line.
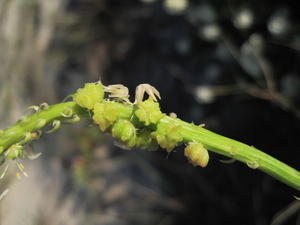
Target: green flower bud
column 89, row 95
column 148, row 112
column 196, row 154
column 125, row 131
column 168, row 136
column 105, row 114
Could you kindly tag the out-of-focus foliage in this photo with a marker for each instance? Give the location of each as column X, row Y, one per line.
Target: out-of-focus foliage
column 230, row 64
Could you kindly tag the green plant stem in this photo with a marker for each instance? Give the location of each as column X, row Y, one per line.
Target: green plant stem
column 253, row 157
column 31, row 123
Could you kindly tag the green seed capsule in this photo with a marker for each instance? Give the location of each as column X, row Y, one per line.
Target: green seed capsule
column 196, row 154
column 89, row 95
column 125, row 131
column 148, row 112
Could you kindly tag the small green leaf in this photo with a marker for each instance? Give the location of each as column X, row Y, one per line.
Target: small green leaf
column 89, row 95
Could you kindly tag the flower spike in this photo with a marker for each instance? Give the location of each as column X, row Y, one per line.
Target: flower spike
column 141, row 125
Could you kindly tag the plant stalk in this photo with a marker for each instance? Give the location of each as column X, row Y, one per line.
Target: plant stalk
column 249, row 155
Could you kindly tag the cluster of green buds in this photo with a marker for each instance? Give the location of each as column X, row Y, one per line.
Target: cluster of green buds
column 134, row 124
column 138, row 124
column 114, row 114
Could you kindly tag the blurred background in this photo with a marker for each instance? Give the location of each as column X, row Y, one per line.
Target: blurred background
column 232, row 65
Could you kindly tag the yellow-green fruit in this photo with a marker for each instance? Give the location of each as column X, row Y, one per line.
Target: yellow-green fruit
column 196, row 154
column 125, row 131
column 89, row 95
column 148, row 112
column 168, row 136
